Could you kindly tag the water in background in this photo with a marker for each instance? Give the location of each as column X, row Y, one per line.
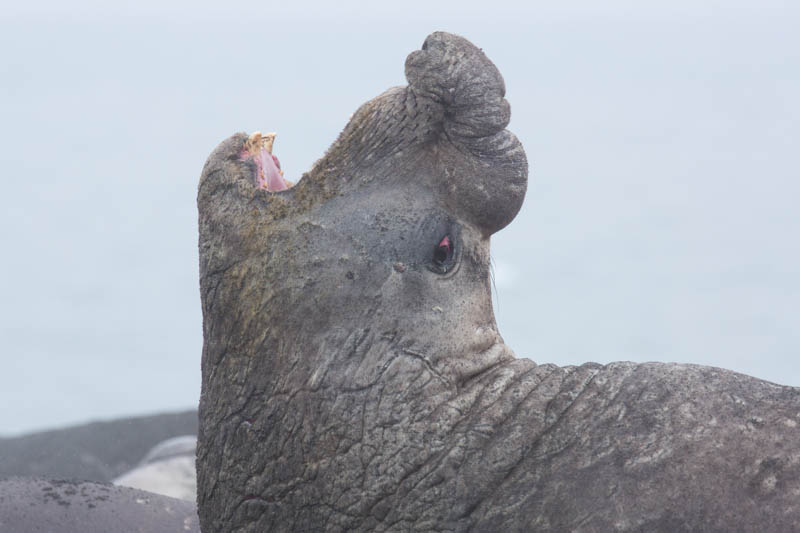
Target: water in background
column 661, row 221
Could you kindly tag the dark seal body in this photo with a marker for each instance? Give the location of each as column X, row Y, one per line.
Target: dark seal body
column 35, row 505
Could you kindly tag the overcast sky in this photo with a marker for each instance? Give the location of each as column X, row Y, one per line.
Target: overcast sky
column 661, row 220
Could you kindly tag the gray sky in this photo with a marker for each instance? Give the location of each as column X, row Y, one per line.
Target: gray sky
column 661, row 220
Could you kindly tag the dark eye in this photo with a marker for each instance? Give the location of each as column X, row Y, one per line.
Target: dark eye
column 443, row 254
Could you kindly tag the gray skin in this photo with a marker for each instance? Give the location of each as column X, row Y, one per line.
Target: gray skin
column 354, row 380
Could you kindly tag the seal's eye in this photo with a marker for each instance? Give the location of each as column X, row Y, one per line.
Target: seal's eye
column 443, row 254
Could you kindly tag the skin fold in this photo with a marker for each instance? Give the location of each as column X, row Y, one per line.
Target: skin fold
column 354, row 378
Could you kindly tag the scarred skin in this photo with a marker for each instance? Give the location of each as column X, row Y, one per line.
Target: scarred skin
column 354, row 378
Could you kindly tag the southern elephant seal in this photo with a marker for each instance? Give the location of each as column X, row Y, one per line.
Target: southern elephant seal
column 354, row 378
column 100, row 451
column 28, row 504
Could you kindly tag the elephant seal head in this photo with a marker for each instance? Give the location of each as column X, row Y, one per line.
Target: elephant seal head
column 339, row 303
column 354, row 378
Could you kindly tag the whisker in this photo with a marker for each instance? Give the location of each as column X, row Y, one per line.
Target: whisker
column 494, row 285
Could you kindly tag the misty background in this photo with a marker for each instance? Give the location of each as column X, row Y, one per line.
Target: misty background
column 661, row 222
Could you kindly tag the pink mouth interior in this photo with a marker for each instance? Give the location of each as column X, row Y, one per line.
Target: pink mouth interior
column 268, row 170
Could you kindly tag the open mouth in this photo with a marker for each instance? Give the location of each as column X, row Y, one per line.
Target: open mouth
column 258, row 148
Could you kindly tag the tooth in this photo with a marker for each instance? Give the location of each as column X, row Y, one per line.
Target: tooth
column 267, row 140
column 268, row 172
column 253, row 143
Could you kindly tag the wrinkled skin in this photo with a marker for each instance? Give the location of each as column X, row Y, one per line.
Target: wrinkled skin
column 353, row 383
